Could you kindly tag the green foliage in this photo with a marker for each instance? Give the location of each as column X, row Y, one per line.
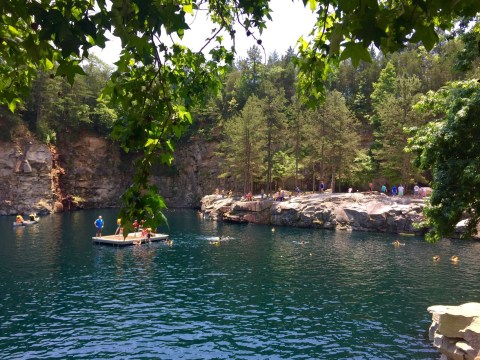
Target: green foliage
column 449, row 146
column 332, row 139
column 346, row 29
column 283, row 167
column 243, row 149
column 57, row 108
column 395, row 113
column 470, row 53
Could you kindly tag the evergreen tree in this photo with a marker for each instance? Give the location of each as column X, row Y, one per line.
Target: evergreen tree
column 342, row 138
column 274, row 114
column 396, row 114
column 284, row 167
column 244, row 146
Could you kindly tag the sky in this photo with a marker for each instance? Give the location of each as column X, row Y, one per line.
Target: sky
column 290, row 21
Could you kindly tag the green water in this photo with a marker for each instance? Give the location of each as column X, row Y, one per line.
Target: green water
column 261, row 294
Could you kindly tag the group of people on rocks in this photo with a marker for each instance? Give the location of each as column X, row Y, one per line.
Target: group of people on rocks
column 281, row 194
column 400, row 190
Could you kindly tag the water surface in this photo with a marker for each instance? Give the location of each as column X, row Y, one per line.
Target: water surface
column 261, row 294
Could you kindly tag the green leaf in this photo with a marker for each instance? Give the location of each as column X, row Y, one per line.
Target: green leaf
column 426, row 35
column 188, row 8
column 12, row 105
column 151, row 142
column 69, row 69
column 356, row 52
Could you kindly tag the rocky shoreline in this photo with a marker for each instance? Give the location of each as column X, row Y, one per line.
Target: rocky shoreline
column 352, row 212
column 455, row 331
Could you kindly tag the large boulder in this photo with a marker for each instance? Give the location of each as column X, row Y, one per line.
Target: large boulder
column 455, row 331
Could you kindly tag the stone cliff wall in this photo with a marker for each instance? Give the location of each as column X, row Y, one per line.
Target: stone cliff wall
column 92, row 172
column 93, row 175
column 25, row 177
column 193, row 174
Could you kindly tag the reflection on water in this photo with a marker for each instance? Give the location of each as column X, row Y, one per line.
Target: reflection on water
column 223, row 291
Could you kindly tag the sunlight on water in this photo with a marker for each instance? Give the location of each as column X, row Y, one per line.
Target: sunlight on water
column 223, row 291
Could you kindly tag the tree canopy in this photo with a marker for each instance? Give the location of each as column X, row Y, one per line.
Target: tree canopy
column 158, row 82
column 449, row 146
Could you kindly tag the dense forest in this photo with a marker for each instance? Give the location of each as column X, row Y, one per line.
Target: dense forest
column 266, row 139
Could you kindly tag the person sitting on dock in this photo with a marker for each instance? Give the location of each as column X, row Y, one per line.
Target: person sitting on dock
column 19, row 219
column 99, row 225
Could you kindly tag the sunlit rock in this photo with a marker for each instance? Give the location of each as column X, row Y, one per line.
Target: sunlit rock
column 357, row 212
column 455, row 331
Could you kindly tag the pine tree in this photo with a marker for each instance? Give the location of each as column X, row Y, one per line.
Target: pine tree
column 244, row 146
column 396, row 114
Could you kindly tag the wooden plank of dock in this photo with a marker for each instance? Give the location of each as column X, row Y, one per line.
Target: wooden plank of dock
column 131, row 239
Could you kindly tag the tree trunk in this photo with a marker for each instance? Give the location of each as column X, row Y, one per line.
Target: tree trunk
column 332, row 185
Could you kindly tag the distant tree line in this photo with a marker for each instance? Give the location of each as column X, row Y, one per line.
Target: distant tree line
column 357, row 135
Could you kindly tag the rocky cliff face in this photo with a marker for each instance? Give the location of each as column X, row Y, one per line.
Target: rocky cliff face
column 92, row 172
column 193, row 174
column 26, row 177
column 95, row 174
column 357, row 212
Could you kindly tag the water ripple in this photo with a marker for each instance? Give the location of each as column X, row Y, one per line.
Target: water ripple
column 288, row 294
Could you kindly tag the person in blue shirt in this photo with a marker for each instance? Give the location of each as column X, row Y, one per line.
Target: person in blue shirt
column 321, row 187
column 394, row 190
column 99, row 225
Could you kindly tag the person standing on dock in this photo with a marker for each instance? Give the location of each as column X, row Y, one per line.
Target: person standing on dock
column 99, row 225
column 135, row 227
column 119, row 226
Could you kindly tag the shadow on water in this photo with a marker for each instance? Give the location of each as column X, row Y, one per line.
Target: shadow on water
column 223, row 291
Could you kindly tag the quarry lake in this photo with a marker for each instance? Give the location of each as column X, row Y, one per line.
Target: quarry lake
column 259, row 293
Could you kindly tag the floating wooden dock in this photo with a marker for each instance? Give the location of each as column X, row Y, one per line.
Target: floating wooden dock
column 131, row 239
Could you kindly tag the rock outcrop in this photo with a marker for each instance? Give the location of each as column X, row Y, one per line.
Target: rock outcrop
column 455, row 331
column 25, row 173
column 93, row 174
column 88, row 171
column 355, row 212
column 96, row 173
